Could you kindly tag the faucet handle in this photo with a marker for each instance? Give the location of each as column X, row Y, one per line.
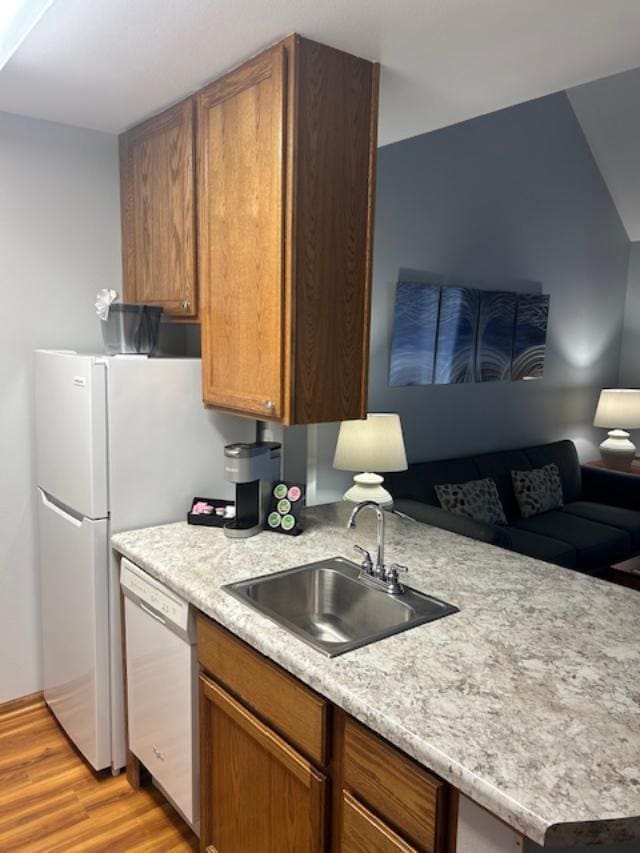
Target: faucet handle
column 391, row 578
column 395, row 569
column 367, row 562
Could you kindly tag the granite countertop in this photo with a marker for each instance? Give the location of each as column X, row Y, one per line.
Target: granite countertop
column 527, row 700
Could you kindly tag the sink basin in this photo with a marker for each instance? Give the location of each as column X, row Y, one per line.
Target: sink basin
column 327, row 606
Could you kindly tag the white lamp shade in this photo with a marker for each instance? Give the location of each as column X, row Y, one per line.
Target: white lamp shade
column 618, row 408
column 375, row 444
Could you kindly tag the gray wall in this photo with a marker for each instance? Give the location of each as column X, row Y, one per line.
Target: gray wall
column 630, row 357
column 515, row 200
column 59, row 244
column 630, row 360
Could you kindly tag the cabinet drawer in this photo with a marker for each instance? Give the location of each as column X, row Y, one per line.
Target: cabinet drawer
column 292, row 709
column 363, row 832
column 395, row 787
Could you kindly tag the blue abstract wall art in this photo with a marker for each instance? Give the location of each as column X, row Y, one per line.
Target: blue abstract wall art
column 414, row 334
column 529, row 342
column 447, row 335
column 457, row 335
column 496, row 324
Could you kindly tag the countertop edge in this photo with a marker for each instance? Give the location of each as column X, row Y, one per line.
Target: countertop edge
column 591, row 833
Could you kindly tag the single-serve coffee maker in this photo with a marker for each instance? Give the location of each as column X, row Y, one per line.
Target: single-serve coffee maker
column 247, row 465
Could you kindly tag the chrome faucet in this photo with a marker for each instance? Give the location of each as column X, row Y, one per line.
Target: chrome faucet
column 377, row 570
column 377, row 575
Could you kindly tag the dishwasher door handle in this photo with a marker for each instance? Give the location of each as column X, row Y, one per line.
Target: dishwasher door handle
column 151, row 612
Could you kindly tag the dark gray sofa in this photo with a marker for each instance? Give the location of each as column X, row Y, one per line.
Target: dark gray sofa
column 598, row 525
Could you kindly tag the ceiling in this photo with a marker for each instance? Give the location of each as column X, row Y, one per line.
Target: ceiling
column 609, row 113
column 106, row 64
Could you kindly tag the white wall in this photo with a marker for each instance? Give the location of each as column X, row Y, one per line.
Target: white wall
column 59, row 244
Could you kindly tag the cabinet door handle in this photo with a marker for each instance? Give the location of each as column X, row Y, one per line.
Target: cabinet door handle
column 269, row 405
column 157, row 753
column 185, row 305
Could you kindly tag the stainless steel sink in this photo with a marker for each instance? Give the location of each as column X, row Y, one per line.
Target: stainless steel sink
column 326, row 605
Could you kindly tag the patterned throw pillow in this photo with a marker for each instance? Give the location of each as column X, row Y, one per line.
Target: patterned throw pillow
column 477, row 499
column 538, row 490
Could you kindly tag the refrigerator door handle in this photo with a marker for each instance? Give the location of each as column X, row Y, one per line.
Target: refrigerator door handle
column 54, row 507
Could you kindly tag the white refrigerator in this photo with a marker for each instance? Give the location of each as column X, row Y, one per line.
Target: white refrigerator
column 121, row 442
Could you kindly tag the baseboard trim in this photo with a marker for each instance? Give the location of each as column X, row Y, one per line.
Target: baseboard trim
column 22, row 703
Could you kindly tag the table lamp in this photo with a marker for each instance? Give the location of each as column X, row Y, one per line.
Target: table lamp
column 618, row 410
column 375, row 444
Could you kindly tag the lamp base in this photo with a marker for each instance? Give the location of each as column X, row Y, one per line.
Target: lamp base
column 368, row 487
column 617, row 451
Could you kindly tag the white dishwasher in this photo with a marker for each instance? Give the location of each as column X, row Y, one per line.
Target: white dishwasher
column 162, row 676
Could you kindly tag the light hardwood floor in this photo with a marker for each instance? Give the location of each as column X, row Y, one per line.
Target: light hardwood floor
column 50, row 800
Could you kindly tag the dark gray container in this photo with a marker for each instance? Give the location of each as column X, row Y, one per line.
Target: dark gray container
column 131, row 329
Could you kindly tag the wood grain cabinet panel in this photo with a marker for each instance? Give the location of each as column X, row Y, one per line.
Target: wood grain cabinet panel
column 280, row 156
column 287, row 705
column 258, row 794
column 157, row 189
column 393, row 786
column 270, row 749
column 363, row 832
column 241, row 181
column 286, row 164
column 334, row 137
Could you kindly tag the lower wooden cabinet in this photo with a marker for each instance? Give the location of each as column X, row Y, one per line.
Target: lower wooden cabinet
column 363, row 832
column 287, row 706
column 284, row 771
column 393, row 786
column 258, row 794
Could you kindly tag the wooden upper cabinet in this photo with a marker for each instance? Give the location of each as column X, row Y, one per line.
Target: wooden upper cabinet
column 286, row 163
column 157, row 189
column 241, row 180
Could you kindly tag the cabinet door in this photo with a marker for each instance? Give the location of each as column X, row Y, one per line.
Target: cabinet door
column 241, row 206
column 157, row 190
column 363, row 832
column 257, row 793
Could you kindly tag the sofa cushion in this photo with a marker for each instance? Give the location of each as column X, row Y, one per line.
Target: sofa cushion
column 597, row 545
column 613, row 516
column 478, row 499
column 542, row 547
column 565, row 456
column 438, row 517
column 418, row 482
column 499, row 466
column 538, row 490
